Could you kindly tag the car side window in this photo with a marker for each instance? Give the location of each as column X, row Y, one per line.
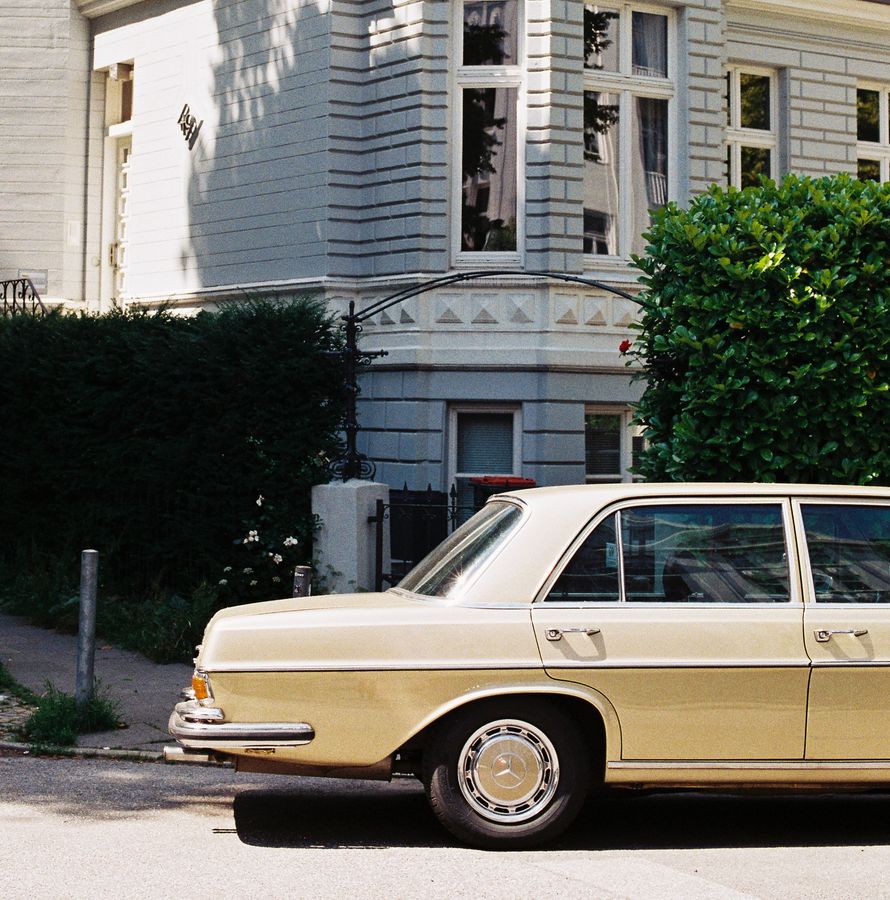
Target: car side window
column 591, row 575
column 849, row 547
column 705, row 553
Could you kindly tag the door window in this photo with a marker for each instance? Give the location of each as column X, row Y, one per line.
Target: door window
column 849, row 548
column 592, row 573
column 682, row 553
column 705, row 553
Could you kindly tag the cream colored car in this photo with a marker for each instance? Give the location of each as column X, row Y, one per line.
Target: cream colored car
column 566, row 639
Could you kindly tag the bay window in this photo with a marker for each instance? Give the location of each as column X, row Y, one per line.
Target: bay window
column 628, row 106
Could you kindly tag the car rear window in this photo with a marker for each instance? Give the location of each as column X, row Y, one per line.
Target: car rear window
column 449, row 568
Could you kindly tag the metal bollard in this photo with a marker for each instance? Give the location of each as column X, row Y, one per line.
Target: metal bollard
column 302, row 581
column 86, row 633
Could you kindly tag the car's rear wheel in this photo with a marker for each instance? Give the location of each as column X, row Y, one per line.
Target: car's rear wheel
column 507, row 773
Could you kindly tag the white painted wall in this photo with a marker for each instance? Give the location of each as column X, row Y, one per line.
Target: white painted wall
column 43, row 121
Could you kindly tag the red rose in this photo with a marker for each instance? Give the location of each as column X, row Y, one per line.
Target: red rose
column 624, row 346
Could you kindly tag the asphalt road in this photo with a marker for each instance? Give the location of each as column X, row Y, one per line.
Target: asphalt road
column 101, row 829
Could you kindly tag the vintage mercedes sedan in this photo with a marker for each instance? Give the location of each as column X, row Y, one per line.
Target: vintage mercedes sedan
column 570, row 639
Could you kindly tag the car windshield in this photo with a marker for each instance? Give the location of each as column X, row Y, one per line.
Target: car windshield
column 447, row 570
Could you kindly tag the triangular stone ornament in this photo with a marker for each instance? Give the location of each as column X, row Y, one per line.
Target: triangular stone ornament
column 520, row 311
column 447, row 316
column 484, row 317
column 404, row 318
column 386, row 319
column 625, row 313
column 567, row 318
column 595, row 311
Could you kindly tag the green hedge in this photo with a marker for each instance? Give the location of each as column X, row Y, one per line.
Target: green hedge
column 765, row 335
column 151, row 438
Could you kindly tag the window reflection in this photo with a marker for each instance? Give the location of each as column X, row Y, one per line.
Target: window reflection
column 868, row 170
column 849, row 548
column 755, row 101
column 867, row 115
column 649, row 45
column 703, row 553
column 600, row 38
column 490, row 35
column 650, row 165
column 756, row 162
column 488, row 214
column 601, row 194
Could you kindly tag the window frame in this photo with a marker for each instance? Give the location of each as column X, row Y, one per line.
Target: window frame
column 806, row 569
column 878, row 151
column 455, row 410
column 738, row 137
column 791, row 526
column 625, row 451
column 628, row 87
column 465, row 77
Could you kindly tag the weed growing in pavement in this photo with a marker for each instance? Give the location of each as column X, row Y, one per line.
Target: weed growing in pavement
column 57, row 721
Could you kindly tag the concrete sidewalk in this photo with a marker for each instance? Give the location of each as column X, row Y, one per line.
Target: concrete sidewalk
column 144, row 691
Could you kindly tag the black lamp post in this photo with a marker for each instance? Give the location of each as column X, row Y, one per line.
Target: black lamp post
column 353, row 464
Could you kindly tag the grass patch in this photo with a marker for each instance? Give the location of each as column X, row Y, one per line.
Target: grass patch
column 57, row 721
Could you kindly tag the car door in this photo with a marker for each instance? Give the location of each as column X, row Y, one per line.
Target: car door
column 847, row 627
column 687, row 617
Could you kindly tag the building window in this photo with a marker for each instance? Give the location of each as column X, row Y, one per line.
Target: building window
column 612, row 445
column 751, row 133
column 489, row 88
column 628, row 104
column 484, row 440
column 873, row 134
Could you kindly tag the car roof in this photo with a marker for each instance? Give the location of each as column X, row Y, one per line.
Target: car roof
column 601, row 494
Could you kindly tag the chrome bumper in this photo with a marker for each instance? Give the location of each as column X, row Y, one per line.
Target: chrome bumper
column 203, row 727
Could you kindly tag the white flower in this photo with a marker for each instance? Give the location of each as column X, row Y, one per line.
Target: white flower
column 223, row 581
column 275, row 578
column 259, row 500
column 248, row 571
column 290, row 542
column 227, row 569
column 253, row 583
column 277, row 558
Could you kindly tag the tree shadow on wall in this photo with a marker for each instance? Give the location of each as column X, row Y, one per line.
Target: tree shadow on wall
column 259, row 189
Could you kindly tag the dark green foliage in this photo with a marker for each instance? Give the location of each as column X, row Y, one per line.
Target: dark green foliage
column 150, row 437
column 765, row 335
column 57, row 721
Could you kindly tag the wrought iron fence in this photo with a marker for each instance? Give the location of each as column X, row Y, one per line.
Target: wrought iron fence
column 20, row 297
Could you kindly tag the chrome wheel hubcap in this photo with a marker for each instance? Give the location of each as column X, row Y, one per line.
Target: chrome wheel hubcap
column 508, row 771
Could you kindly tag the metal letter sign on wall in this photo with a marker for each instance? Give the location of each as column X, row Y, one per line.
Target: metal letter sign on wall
column 189, row 126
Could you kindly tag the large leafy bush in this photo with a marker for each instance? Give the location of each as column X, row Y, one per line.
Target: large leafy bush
column 163, row 441
column 765, row 335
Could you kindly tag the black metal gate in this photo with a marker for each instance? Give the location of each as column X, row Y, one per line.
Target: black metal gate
column 418, row 521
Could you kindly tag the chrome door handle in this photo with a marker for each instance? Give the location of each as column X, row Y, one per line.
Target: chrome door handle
column 825, row 634
column 555, row 634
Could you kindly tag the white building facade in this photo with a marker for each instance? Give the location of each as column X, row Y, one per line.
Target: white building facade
column 189, row 152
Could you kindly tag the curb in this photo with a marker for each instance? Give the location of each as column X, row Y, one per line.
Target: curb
column 85, row 752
